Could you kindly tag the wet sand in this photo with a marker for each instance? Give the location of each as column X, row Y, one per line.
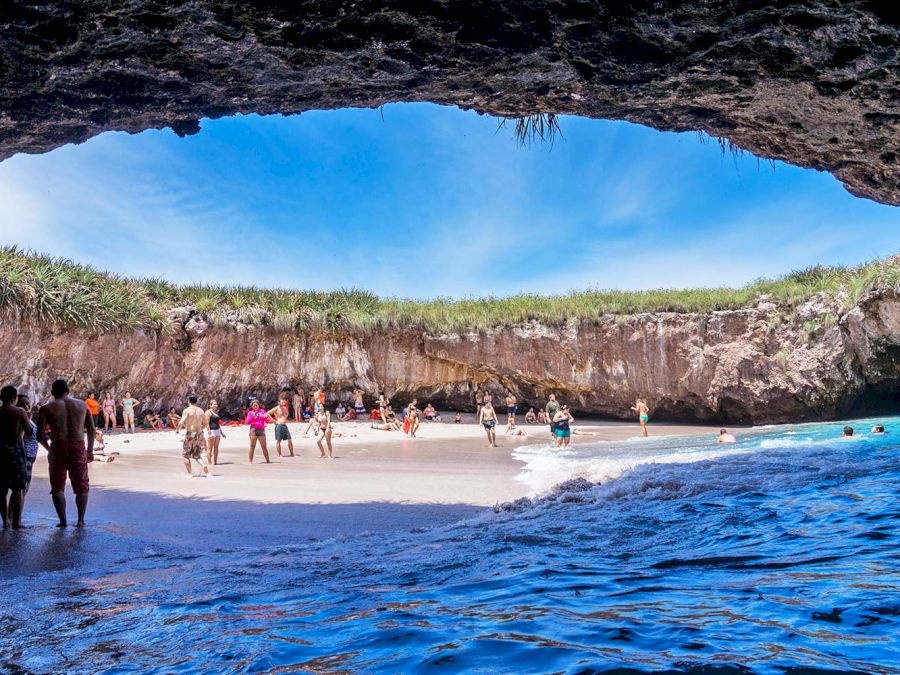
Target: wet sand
column 378, row 482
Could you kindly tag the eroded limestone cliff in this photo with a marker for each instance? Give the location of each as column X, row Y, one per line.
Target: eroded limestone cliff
column 761, row 364
column 813, row 82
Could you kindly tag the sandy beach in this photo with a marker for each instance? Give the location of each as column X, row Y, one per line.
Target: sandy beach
column 446, row 464
column 378, row 482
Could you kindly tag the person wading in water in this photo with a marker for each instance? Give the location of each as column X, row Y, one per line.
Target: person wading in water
column 69, row 421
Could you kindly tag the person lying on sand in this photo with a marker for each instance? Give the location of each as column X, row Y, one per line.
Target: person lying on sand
column 725, row 437
column 580, row 432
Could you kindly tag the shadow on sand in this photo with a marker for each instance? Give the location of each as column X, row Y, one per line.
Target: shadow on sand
column 122, row 523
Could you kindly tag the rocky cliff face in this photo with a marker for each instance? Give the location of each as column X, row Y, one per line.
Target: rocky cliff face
column 813, row 82
column 762, row 364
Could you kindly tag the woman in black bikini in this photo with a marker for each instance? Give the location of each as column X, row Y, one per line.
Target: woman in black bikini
column 214, row 422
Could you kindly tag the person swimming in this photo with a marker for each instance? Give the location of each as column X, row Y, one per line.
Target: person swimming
column 878, row 429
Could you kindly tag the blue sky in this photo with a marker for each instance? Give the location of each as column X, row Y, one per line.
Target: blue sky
column 424, row 201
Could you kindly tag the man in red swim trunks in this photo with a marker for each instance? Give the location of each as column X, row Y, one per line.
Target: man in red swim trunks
column 69, row 420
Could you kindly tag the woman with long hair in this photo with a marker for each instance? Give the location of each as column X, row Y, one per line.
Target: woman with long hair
column 128, row 406
column 214, row 423
column 109, row 412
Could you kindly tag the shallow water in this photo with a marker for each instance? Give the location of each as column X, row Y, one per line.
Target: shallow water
column 776, row 554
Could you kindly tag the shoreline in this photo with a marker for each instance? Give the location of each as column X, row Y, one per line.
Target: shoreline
column 379, row 483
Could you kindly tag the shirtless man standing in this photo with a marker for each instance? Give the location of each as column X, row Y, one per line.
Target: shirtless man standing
column 194, row 421
column 279, row 414
column 14, row 423
column 488, row 419
column 69, row 421
column 511, row 410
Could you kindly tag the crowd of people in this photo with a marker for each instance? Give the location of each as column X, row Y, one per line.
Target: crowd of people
column 72, row 431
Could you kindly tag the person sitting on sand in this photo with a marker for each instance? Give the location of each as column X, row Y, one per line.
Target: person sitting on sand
column 725, row 437
column 488, row 419
column 561, row 421
column 152, row 421
column 194, row 421
column 542, row 417
column 530, row 417
column 349, row 415
column 308, row 412
column 640, row 407
column 100, row 454
column 878, row 429
column 457, row 418
column 430, row 414
column 847, row 433
column 340, row 410
column 279, row 415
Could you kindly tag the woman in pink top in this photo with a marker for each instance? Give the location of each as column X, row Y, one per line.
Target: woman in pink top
column 257, row 419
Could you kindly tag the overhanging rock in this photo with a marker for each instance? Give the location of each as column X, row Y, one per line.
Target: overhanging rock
column 815, row 83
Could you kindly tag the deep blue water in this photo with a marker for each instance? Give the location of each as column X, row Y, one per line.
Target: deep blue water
column 779, row 554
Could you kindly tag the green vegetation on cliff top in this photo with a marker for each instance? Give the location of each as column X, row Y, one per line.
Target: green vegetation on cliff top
column 55, row 292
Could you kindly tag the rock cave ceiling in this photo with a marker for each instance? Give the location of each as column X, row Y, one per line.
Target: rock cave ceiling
column 815, row 83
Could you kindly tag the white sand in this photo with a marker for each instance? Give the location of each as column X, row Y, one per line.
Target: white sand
column 447, row 464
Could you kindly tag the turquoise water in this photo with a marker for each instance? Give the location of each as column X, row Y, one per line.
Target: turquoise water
column 778, row 554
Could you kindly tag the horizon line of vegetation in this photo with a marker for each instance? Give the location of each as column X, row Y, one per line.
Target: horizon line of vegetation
column 56, row 292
